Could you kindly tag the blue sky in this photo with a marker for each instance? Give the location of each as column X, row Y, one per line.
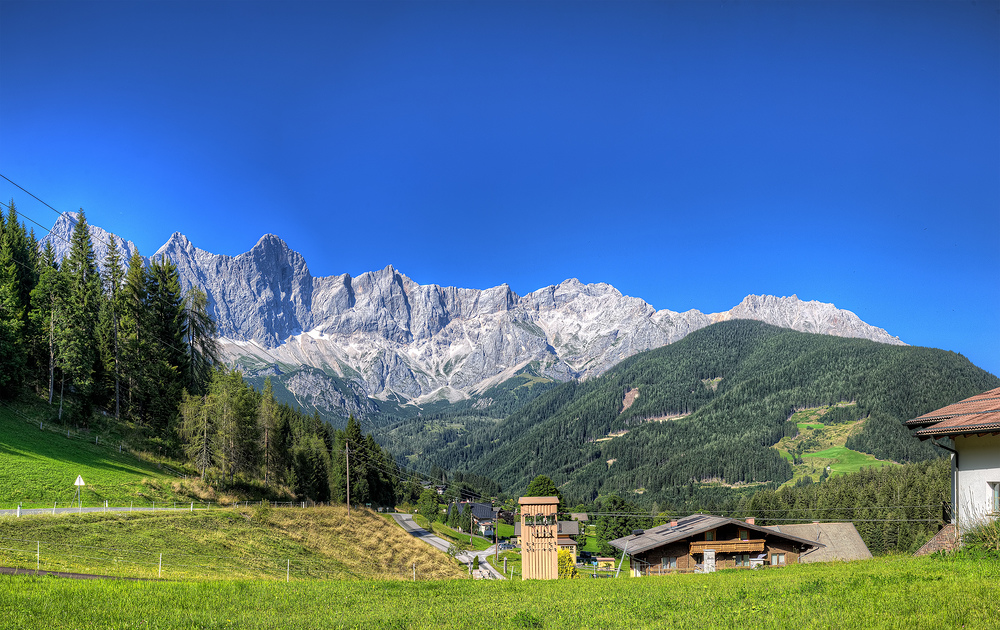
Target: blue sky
column 686, row 153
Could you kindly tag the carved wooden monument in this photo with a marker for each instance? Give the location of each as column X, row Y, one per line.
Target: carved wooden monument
column 539, row 546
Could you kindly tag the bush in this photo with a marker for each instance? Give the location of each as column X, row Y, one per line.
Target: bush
column 566, row 567
column 984, row 537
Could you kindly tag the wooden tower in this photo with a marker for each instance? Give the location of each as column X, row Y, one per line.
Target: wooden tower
column 539, row 546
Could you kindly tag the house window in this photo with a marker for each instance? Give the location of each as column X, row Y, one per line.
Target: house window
column 742, row 559
column 995, row 493
column 777, row 558
column 670, row 562
column 744, row 534
column 709, row 535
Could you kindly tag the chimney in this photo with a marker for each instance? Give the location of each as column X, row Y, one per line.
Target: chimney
column 751, row 520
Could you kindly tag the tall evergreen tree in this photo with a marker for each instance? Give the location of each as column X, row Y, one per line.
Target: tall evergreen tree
column 110, row 322
column 202, row 347
column 197, row 430
column 267, row 417
column 135, row 335
column 13, row 353
column 79, row 334
column 48, row 302
column 168, row 358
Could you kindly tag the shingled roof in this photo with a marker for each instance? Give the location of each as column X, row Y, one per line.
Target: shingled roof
column 691, row 526
column 841, row 540
column 977, row 414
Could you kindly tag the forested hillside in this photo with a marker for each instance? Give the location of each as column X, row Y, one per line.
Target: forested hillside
column 126, row 346
column 707, row 410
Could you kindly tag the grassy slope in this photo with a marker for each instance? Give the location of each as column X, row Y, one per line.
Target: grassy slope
column 38, row 467
column 218, row 544
column 826, row 446
column 892, row 592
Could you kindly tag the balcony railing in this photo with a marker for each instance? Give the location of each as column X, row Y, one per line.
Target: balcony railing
column 727, row 546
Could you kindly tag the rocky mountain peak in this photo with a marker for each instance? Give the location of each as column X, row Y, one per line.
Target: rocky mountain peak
column 389, row 337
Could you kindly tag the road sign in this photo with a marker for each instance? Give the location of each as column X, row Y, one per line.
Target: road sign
column 79, row 481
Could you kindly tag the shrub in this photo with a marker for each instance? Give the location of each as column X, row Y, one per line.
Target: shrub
column 984, row 537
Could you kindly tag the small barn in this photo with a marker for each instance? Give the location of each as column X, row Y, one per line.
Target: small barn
column 841, row 541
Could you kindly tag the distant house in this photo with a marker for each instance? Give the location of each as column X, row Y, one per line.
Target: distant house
column 705, row 543
column 841, row 541
column 564, row 532
column 970, row 430
column 483, row 517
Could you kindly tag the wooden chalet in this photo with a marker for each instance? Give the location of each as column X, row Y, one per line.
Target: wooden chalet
column 705, row 543
column 970, row 430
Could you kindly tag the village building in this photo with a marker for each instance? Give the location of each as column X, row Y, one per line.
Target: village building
column 970, row 431
column 483, row 517
column 841, row 541
column 705, row 543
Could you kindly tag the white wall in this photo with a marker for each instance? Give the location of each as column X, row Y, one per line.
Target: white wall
column 978, row 465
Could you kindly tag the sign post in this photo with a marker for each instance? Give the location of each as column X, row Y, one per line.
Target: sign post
column 79, row 485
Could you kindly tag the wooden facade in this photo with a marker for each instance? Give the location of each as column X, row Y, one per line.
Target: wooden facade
column 681, row 546
column 539, row 533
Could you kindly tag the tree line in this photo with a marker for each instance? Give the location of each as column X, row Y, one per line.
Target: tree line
column 125, row 340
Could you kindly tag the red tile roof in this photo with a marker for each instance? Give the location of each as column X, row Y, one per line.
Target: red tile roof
column 976, row 414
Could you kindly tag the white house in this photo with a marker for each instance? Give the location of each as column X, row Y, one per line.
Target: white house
column 970, row 429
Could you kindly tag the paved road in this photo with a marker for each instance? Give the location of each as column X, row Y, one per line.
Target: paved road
column 486, row 570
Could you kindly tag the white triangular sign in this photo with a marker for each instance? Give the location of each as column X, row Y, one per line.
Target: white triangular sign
column 79, row 481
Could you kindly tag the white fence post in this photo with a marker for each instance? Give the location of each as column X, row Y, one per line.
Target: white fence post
column 38, row 555
column 159, row 571
column 288, row 569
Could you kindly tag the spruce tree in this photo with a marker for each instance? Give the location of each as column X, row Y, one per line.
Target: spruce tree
column 110, row 323
column 79, row 334
column 168, row 359
column 267, row 418
column 13, row 352
column 48, row 305
column 134, row 337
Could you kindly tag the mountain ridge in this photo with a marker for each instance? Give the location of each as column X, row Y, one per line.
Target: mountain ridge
column 402, row 341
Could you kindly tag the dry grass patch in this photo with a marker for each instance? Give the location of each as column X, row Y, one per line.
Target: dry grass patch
column 364, row 543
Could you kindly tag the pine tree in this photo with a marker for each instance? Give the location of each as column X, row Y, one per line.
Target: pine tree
column 168, row 331
column 197, row 430
column 48, row 304
column 79, row 335
column 13, row 352
column 267, row 418
column 135, row 335
column 111, row 312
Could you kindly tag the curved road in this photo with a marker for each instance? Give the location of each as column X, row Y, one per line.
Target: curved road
column 406, row 522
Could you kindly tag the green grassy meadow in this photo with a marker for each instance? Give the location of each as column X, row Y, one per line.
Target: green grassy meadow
column 891, row 592
column 38, row 466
